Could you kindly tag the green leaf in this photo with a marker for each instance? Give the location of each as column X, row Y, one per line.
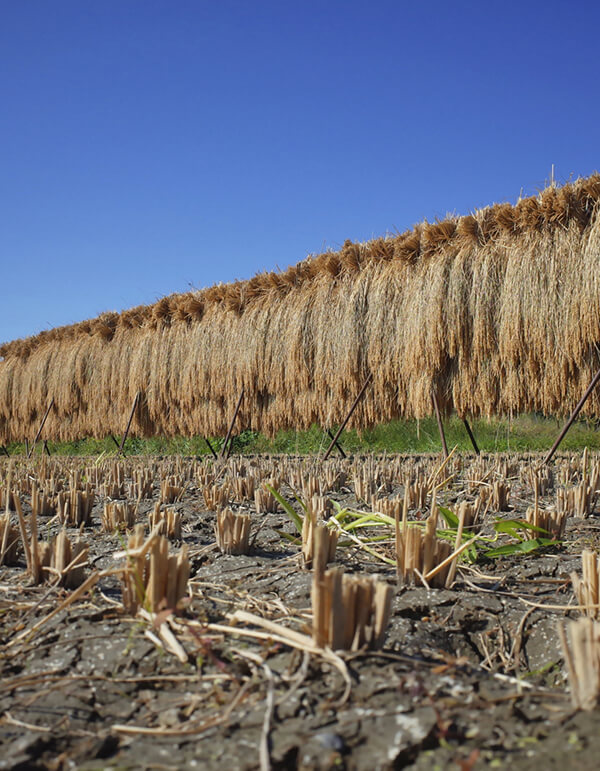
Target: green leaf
column 300, row 501
column 450, row 517
column 289, row 537
column 287, row 507
column 513, row 526
column 523, row 547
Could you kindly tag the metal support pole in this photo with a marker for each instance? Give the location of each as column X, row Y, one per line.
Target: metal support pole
column 135, row 404
column 235, row 414
column 439, row 422
column 37, row 436
column 571, row 420
column 348, row 416
column 210, row 447
column 337, row 444
column 471, row 437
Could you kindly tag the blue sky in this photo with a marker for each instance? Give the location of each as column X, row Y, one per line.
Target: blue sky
column 150, row 146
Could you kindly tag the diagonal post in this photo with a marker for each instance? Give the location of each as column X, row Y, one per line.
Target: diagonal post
column 135, row 404
column 37, row 436
column 235, row 414
column 571, row 420
column 210, row 447
column 337, row 444
column 46, row 448
column 348, row 416
column 439, row 423
column 115, row 442
column 471, row 437
column 5, row 451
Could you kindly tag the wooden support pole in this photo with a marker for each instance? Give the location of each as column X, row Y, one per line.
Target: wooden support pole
column 348, row 416
column 37, row 436
column 571, row 420
column 439, row 422
column 5, row 451
column 210, row 447
column 235, row 414
column 46, row 448
column 337, row 444
column 471, row 437
column 230, row 447
column 133, row 409
column 116, row 443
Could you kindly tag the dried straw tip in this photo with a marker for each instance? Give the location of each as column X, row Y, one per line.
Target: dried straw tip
column 215, row 497
column 9, row 541
column 141, row 484
column 265, row 501
column 587, row 587
column 232, row 532
column 577, row 501
column 152, row 578
column 60, row 559
column 553, row 522
column 500, row 496
column 165, row 521
column 42, row 503
column 118, row 515
column 172, row 489
column 75, row 507
column 422, row 555
column 349, row 612
column 243, row 488
column 580, row 642
column 319, row 541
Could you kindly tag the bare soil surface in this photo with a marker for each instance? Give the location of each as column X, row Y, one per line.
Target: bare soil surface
column 469, row 677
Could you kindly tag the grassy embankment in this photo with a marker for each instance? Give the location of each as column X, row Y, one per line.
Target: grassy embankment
column 525, row 433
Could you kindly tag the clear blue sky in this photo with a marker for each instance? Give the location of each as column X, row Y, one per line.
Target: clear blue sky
column 148, row 146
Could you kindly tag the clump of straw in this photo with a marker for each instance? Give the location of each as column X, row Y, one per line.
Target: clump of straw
column 318, row 541
column 118, row 515
column 61, row 558
column 580, row 642
column 152, row 578
column 349, row 612
column 232, row 532
column 9, row 541
column 165, row 521
column 587, row 587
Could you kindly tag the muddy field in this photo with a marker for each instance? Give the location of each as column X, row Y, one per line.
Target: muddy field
column 469, row 676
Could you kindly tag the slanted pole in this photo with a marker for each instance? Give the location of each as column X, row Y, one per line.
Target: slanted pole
column 337, row 444
column 571, row 420
column 230, row 448
column 348, row 416
column 46, row 448
column 115, row 441
column 471, row 437
column 5, row 451
column 133, row 409
column 235, row 414
column 210, row 447
column 439, row 422
column 37, row 436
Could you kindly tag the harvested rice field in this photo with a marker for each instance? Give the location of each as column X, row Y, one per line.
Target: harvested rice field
column 274, row 612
